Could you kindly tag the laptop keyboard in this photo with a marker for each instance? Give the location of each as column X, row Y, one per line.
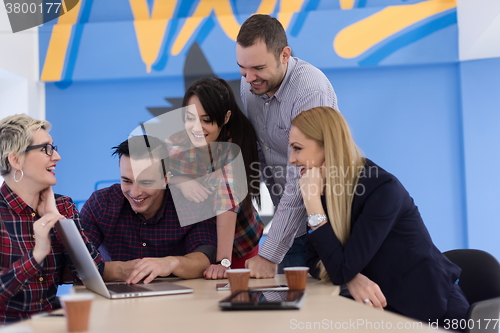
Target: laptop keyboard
column 125, row 288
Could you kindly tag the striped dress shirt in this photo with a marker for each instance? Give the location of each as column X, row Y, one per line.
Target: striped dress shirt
column 303, row 88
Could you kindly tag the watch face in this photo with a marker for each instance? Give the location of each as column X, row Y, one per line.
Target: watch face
column 315, row 219
column 225, row 262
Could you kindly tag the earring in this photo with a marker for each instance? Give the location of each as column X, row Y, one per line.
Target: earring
column 22, row 175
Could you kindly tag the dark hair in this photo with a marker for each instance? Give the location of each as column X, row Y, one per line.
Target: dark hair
column 141, row 147
column 265, row 28
column 217, row 97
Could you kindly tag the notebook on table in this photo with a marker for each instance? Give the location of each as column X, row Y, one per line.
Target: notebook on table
column 92, row 280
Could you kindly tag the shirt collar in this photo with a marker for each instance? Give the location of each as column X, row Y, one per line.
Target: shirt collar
column 280, row 92
column 159, row 214
column 12, row 199
column 191, row 154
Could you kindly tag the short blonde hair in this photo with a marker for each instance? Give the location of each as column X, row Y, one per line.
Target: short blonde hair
column 16, row 134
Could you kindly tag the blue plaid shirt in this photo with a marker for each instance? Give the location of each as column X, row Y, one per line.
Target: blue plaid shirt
column 110, row 222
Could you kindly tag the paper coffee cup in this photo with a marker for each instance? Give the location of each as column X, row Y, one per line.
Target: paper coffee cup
column 296, row 277
column 77, row 311
column 238, row 279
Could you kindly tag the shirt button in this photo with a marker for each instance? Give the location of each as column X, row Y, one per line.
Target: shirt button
column 40, row 279
column 33, row 236
column 33, row 214
column 144, row 223
column 266, row 103
column 21, row 288
column 143, row 244
column 41, row 300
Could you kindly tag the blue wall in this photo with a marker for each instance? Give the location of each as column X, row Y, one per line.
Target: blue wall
column 480, row 87
column 414, row 108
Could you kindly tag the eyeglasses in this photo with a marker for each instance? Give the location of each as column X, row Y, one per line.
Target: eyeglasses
column 46, row 147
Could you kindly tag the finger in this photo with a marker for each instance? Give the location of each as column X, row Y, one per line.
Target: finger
column 215, row 272
column 207, row 191
column 151, row 277
column 137, row 276
column 220, row 273
column 376, row 302
column 136, row 272
column 381, row 298
column 55, row 219
column 366, row 301
column 200, row 198
column 210, row 273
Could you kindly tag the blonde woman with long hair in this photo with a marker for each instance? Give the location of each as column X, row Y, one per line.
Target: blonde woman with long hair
column 365, row 230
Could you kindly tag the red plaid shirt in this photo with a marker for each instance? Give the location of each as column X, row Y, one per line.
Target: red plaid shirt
column 27, row 287
column 184, row 160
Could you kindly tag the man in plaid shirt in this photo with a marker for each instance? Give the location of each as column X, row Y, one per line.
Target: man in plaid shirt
column 136, row 223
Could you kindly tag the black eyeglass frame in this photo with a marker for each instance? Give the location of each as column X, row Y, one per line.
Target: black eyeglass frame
column 43, row 145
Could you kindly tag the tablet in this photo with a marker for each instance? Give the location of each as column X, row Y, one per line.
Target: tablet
column 226, row 286
column 264, row 300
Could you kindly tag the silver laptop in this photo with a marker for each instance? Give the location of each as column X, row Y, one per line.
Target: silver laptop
column 89, row 274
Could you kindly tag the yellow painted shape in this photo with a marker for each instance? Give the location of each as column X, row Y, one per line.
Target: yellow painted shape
column 58, row 45
column 267, row 7
column 357, row 38
column 224, row 14
column 150, row 29
column 227, row 21
column 287, row 9
column 346, row 4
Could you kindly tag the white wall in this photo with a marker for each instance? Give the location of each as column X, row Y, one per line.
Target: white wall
column 20, row 90
column 479, row 29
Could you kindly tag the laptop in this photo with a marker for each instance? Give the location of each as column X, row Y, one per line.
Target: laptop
column 92, row 280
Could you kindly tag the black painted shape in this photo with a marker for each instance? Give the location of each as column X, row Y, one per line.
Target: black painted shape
column 195, row 67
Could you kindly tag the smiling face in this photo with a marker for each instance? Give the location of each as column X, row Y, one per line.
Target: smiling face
column 261, row 68
column 306, row 153
column 38, row 167
column 144, row 193
column 199, row 127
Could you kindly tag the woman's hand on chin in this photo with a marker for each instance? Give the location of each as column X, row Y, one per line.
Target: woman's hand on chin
column 312, row 183
column 47, row 202
column 42, row 228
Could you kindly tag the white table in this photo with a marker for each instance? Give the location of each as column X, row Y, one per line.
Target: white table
column 322, row 310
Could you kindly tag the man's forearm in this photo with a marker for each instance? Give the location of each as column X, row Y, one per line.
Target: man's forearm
column 117, row 270
column 191, row 266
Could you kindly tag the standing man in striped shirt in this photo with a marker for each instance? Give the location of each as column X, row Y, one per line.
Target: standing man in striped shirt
column 276, row 87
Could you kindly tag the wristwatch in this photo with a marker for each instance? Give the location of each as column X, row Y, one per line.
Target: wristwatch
column 224, row 262
column 316, row 219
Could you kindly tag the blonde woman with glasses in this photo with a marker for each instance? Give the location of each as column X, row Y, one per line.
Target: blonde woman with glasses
column 32, row 258
column 365, row 230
